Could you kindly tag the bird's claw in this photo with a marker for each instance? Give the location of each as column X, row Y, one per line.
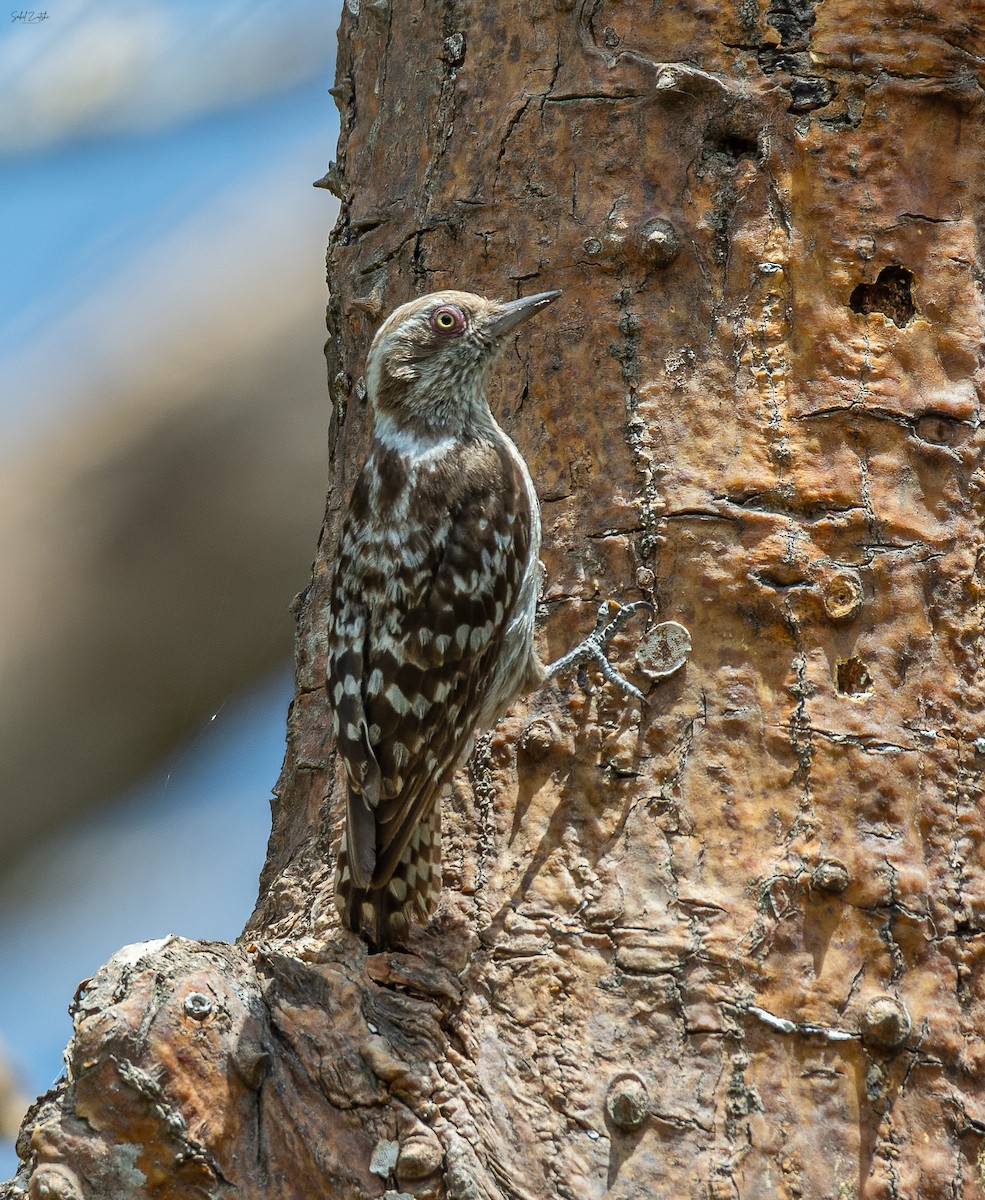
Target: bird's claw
column 607, row 625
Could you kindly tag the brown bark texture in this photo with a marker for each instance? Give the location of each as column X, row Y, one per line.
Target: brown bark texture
column 729, row 943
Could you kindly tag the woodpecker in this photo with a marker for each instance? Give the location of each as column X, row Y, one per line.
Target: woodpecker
column 431, row 619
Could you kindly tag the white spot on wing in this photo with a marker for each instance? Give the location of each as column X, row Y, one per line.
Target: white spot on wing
column 396, row 699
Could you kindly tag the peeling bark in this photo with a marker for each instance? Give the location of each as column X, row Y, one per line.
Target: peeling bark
column 730, row 945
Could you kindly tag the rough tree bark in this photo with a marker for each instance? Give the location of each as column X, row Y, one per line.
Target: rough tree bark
column 730, row 945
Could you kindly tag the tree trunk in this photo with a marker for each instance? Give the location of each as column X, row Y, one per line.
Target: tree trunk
column 729, row 944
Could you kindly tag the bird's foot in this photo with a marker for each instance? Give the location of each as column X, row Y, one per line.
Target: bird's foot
column 612, row 617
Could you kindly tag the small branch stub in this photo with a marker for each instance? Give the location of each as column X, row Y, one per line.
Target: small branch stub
column 842, row 595
column 55, row 1182
column 197, row 1005
column 830, row 876
column 420, row 1156
column 628, row 1102
column 885, row 1024
column 657, row 242
column 332, row 181
column 538, row 739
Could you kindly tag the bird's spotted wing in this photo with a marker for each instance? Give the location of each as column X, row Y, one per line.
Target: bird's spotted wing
column 430, row 567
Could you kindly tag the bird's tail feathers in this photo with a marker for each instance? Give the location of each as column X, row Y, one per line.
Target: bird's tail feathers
column 385, row 912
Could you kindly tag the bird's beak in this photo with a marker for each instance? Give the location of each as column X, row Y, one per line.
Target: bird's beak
column 515, row 311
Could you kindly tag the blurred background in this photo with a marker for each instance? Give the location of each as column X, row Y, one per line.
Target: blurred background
column 163, row 464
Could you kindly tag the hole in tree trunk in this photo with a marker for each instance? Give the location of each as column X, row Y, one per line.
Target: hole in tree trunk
column 735, row 145
column 851, row 677
column 891, row 295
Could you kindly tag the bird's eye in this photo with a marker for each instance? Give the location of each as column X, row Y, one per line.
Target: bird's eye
column 448, row 320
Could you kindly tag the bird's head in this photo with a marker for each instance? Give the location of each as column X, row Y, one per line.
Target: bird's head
column 429, row 365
